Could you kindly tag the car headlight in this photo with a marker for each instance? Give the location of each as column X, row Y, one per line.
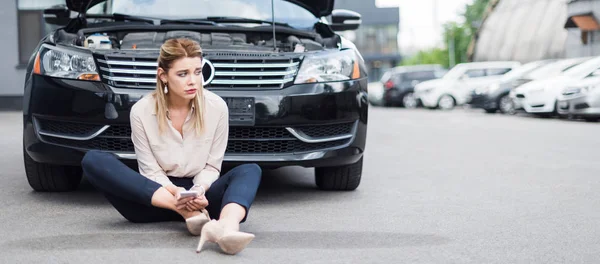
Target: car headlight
column 329, row 67
column 65, row 63
column 572, row 91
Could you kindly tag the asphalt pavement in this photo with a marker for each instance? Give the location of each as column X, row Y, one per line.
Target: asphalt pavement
column 438, row 187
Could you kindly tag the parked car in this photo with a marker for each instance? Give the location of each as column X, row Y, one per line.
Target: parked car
column 582, row 99
column 541, row 97
column 298, row 99
column 456, row 87
column 399, row 83
column 497, row 95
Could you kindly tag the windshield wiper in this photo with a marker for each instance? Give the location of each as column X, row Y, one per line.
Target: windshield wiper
column 191, row 21
column 121, row 17
column 224, row 19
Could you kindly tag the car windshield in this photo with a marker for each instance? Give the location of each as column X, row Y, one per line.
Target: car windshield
column 523, row 70
column 285, row 12
column 583, row 69
column 455, row 72
column 552, row 69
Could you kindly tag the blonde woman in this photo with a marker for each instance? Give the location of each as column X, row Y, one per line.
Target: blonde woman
column 180, row 135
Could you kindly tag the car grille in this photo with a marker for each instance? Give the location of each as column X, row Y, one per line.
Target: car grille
column 326, row 130
column 242, row 140
column 581, row 106
column 69, row 128
column 232, row 70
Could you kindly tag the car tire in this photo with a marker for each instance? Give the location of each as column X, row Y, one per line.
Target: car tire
column 446, row 102
column 490, row 111
column 340, row 178
column 51, row 178
column 506, row 105
column 409, row 101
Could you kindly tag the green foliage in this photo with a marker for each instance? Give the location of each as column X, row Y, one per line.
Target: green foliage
column 432, row 56
column 458, row 33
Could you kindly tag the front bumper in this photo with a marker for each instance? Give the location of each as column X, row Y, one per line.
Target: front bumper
column 308, row 125
column 534, row 103
column 579, row 105
column 482, row 101
column 428, row 99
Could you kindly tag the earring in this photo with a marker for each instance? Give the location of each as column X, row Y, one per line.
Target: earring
column 166, row 89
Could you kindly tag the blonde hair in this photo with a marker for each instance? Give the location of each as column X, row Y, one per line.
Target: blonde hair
column 171, row 51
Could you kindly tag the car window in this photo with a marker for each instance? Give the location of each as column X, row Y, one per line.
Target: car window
column 497, row 71
column 475, row 73
column 418, row 75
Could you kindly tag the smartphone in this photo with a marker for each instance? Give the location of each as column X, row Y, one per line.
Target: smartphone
column 185, row 194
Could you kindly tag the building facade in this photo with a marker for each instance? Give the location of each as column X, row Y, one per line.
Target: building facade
column 522, row 30
column 377, row 36
column 583, row 28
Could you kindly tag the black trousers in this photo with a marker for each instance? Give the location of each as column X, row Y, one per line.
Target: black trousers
column 131, row 193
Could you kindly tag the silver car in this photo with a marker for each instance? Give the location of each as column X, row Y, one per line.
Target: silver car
column 580, row 101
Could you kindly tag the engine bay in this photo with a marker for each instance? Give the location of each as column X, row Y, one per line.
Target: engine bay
column 152, row 40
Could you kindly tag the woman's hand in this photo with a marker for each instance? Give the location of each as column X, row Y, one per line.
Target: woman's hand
column 181, row 203
column 197, row 203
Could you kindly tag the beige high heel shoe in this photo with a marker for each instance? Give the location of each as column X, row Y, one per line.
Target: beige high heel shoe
column 231, row 242
column 196, row 223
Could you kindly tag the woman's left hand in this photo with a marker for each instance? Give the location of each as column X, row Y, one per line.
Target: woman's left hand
column 197, row 203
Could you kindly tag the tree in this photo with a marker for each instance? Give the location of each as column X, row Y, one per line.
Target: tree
column 457, row 37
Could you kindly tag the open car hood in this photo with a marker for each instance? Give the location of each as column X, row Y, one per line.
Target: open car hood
column 82, row 5
column 318, row 7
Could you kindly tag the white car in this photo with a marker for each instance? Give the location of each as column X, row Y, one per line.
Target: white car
column 540, row 97
column 581, row 99
column 456, row 86
column 547, row 71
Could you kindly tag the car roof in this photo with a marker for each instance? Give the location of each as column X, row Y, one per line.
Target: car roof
column 414, row 68
column 484, row 64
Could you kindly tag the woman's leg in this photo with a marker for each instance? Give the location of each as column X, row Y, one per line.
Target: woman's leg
column 136, row 197
column 231, row 196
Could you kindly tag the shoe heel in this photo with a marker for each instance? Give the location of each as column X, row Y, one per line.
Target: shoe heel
column 201, row 243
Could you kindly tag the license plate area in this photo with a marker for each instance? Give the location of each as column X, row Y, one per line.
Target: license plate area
column 241, row 111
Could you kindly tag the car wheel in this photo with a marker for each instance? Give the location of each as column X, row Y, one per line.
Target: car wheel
column 342, row 178
column 506, row 105
column 446, row 102
column 409, row 101
column 490, row 111
column 51, row 178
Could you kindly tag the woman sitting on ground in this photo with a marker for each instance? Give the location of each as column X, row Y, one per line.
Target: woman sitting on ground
column 180, row 134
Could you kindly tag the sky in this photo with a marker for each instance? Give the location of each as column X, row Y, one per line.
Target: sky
column 421, row 23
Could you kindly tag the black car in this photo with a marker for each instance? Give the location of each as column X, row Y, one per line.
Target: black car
column 299, row 98
column 399, row 83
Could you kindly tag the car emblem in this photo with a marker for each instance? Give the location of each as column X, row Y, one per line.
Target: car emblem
column 208, row 72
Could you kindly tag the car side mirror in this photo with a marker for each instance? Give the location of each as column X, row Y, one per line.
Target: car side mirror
column 57, row 15
column 342, row 19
